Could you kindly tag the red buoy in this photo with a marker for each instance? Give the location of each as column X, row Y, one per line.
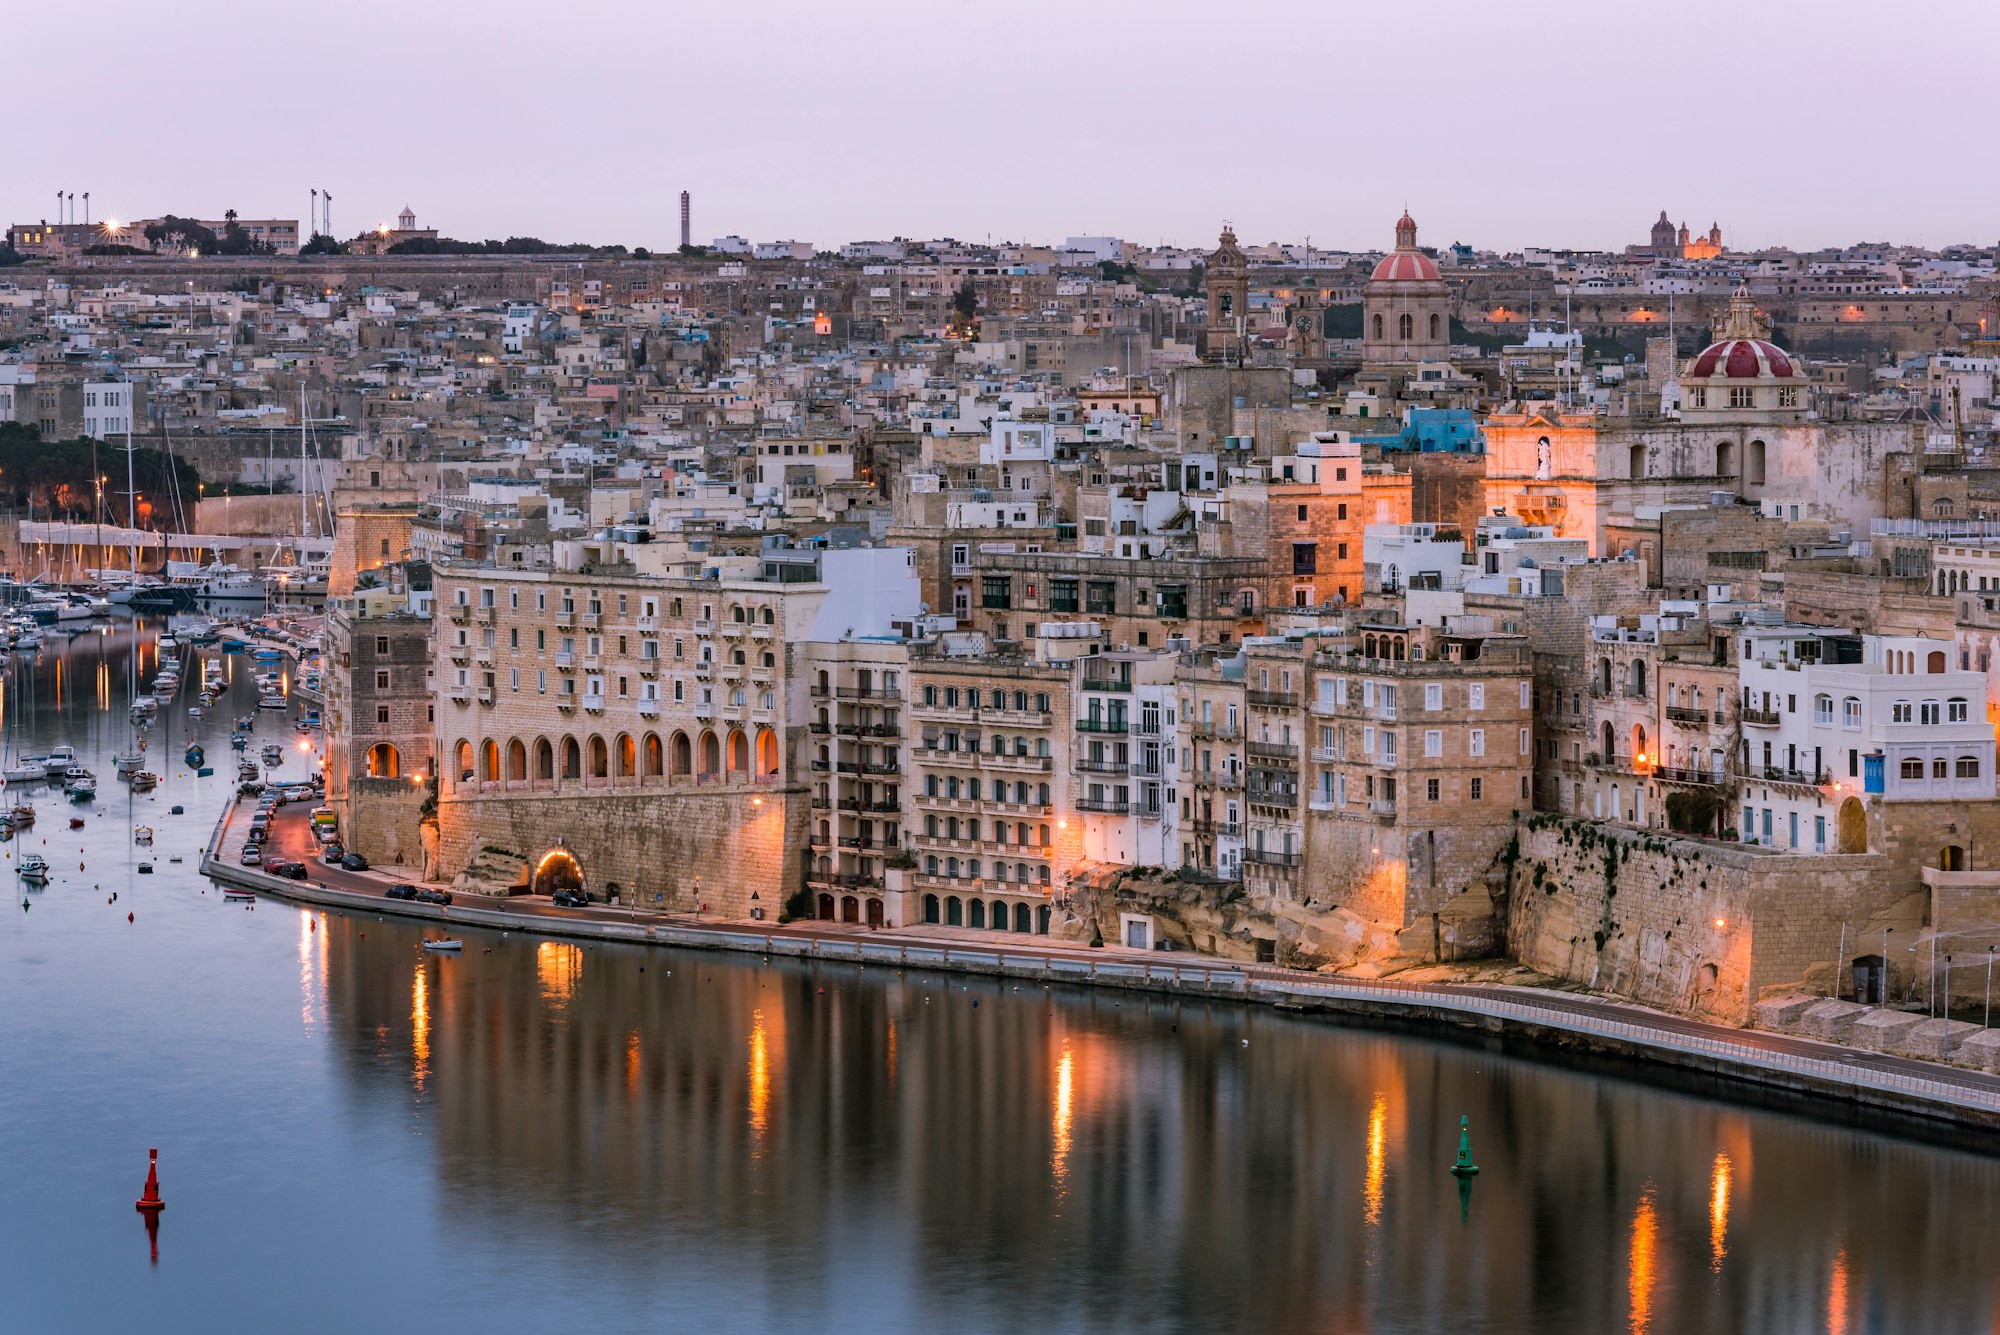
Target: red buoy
column 150, row 1202
column 128, row 917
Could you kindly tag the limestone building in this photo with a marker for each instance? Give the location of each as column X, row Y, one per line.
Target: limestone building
column 1406, row 307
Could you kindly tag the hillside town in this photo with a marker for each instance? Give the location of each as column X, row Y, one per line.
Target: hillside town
column 1630, row 615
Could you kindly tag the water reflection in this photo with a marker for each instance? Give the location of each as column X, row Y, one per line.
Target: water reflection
column 420, row 1028
column 1639, row 1271
column 1129, row 1166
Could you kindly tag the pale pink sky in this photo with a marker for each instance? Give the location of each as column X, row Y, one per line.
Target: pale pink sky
column 1548, row 122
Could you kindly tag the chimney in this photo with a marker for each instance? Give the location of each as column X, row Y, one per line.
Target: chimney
column 687, row 233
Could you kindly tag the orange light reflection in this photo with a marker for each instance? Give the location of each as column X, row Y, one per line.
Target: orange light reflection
column 1718, row 1212
column 1639, row 1277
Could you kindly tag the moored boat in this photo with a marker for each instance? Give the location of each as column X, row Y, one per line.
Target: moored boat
column 445, row 944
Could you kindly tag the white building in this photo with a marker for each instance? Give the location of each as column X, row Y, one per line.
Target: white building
column 107, row 408
column 1831, row 717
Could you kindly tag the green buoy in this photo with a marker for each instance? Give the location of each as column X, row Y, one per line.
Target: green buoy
column 1465, row 1167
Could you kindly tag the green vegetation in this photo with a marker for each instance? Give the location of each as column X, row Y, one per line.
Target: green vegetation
column 513, row 245
column 322, row 244
column 10, row 256
column 58, row 477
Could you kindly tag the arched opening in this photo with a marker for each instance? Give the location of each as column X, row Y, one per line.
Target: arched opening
column 1378, row 326
column 850, row 909
column 739, row 752
column 383, row 763
column 711, row 754
column 1934, row 662
column 1635, row 465
column 1951, row 858
column 1604, row 676
column 545, row 759
column 1437, row 332
column 1871, row 980
column 1640, row 755
column 600, row 759
column 461, row 758
column 628, row 756
column 874, row 913
column 1851, row 827
column 656, row 756
column 954, row 912
column 930, row 908
column 1021, row 919
column 1406, row 326
column 558, row 870
column 767, row 751
column 517, row 761
column 1638, row 678
column 976, row 913
column 1609, row 747
column 683, row 756
column 1042, row 917
column 572, row 759
column 824, row 911
column 1753, row 470
column 1725, row 459
column 489, row 761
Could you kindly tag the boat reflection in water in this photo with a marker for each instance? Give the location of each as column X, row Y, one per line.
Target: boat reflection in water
column 715, row 1130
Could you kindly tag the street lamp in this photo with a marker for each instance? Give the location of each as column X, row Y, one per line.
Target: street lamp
column 1989, row 987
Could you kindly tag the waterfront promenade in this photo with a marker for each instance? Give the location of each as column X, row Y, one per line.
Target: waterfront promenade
column 1853, row 1077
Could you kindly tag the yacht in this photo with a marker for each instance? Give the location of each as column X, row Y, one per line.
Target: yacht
column 33, row 867
column 59, row 761
column 81, row 790
column 168, row 644
column 228, row 583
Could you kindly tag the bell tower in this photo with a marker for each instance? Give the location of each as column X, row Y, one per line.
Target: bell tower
column 1228, row 286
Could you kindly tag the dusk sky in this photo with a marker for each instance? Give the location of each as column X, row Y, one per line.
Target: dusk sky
column 1530, row 122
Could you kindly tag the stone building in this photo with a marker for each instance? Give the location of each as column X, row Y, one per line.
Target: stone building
column 1226, row 336
column 856, row 711
column 379, row 721
column 1421, row 762
column 1406, row 308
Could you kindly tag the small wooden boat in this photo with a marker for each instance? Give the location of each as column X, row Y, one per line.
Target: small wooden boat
column 145, row 869
column 145, row 781
column 177, row 810
column 449, row 943
column 76, row 822
column 233, row 893
column 143, row 836
column 34, row 867
column 203, row 772
column 194, row 756
column 22, row 814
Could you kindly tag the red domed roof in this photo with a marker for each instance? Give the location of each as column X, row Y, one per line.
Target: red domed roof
column 1744, row 359
column 1405, row 266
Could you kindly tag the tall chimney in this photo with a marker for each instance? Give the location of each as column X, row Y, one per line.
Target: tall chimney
column 687, row 232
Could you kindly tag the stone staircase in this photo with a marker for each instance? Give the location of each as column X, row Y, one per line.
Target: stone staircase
column 493, row 872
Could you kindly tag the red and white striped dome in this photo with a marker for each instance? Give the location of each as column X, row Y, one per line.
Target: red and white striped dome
column 1405, row 266
column 1744, row 359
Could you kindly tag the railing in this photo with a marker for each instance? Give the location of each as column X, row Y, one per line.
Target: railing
column 1264, row 857
column 1106, row 684
column 1697, row 717
column 1105, row 806
column 1272, row 797
column 1089, row 766
column 1762, row 718
column 1117, row 725
column 1273, row 699
column 1217, row 778
column 1780, row 774
column 1220, row 732
column 1680, row 774
column 1220, row 829
column 872, row 693
column 1273, row 750
column 1383, row 806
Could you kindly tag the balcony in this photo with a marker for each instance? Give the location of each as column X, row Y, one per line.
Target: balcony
column 704, row 626
column 461, row 612
column 1677, row 774
column 1227, row 780
column 1272, row 750
column 649, row 708
column 1148, row 769
column 1027, row 764
column 1780, row 774
column 1106, row 766
column 485, row 695
column 462, row 694
column 1699, row 718
column 1326, row 755
column 594, row 703
column 1384, row 807
column 647, row 623
column 1115, row 725
column 565, row 617
column 1218, row 829
column 1273, row 699
column 1216, row 732
column 1762, row 718
column 1104, row 806
column 565, row 659
column 1264, row 857
column 762, row 632
column 1110, row 684
column 865, row 693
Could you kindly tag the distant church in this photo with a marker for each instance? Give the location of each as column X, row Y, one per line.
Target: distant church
column 1671, row 243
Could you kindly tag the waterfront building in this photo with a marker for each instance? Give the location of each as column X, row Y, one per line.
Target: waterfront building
column 379, row 719
column 858, row 703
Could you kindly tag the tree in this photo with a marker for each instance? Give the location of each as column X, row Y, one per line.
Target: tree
column 322, row 244
column 58, row 475
column 10, row 256
column 965, row 301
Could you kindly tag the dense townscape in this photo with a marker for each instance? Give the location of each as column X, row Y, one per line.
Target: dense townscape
column 1630, row 614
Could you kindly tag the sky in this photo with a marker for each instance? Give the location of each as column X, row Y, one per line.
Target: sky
column 1524, row 122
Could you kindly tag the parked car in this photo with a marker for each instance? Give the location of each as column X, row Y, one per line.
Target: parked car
column 253, row 855
column 433, row 896
column 275, row 866
column 292, row 870
column 400, row 892
column 571, row 899
column 332, row 854
column 353, row 861
column 298, row 792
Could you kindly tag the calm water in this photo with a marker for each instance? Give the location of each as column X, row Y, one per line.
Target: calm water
column 541, row 1137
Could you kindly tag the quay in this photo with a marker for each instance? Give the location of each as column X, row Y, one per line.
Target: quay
column 1826, row 1076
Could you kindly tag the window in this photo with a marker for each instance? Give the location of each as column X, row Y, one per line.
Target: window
column 1475, row 742
column 1475, row 695
column 1928, row 712
column 1478, row 789
column 1968, row 767
column 1850, row 712
column 1742, row 396
column 1822, row 709
column 381, row 679
column 1433, row 696
column 1899, row 711
column 1955, row 711
column 382, row 644
column 1431, row 789
column 1433, row 741
column 382, row 715
column 1911, row 769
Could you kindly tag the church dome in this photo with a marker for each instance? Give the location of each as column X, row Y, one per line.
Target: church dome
column 1744, row 359
column 1743, row 349
column 1406, row 264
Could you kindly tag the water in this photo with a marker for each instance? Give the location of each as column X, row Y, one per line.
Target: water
column 542, row 1136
